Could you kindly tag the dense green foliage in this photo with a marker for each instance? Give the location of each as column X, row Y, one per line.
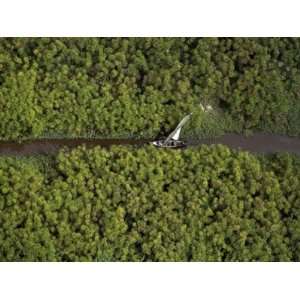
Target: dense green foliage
column 142, row 86
column 144, row 204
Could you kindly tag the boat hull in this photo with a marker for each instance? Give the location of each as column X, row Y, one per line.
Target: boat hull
column 173, row 144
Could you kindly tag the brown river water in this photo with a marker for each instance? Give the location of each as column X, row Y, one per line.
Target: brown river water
column 257, row 143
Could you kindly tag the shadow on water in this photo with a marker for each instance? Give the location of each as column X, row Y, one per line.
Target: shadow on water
column 257, row 143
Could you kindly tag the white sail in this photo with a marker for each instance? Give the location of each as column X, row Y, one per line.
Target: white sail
column 175, row 136
column 176, row 133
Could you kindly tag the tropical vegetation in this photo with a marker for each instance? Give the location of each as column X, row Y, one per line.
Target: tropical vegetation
column 141, row 87
column 144, row 204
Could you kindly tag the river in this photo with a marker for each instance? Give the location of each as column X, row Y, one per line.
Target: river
column 256, row 143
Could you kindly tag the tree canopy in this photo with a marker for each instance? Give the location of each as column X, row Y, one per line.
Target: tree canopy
column 118, row 87
column 144, row 204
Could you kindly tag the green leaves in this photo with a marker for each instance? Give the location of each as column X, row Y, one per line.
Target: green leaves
column 142, row 86
column 19, row 106
column 140, row 204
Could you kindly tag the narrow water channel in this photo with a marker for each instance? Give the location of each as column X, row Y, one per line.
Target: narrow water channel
column 257, row 143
